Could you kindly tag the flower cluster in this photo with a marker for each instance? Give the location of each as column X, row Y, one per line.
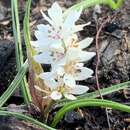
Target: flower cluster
column 57, row 44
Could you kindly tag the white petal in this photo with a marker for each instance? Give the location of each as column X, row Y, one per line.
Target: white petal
column 47, row 18
column 57, row 47
column 55, row 13
column 60, row 71
column 79, row 89
column 40, row 44
column 83, row 74
column 46, row 75
column 72, row 17
column 85, row 56
column 72, row 54
column 77, row 54
column 55, row 95
column 43, row 28
column 49, row 80
column 78, row 28
column 69, row 80
column 69, row 24
column 62, row 61
column 70, row 96
column 56, row 65
column 85, row 43
column 44, row 58
column 39, row 35
column 51, row 83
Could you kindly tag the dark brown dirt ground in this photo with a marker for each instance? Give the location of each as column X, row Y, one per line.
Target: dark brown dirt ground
column 114, row 49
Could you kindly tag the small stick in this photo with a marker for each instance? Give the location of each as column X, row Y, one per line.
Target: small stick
column 97, row 64
column 97, row 52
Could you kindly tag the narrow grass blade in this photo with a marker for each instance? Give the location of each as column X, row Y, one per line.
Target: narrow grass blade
column 18, row 49
column 26, row 118
column 15, row 83
column 95, row 94
column 30, row 51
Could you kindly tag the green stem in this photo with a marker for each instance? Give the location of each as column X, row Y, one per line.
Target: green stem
column 95, row 94
column 27, row 27
column 15, row 83
column 27, row 118
column 48, row 109
column 18, row 49
column 88, row 103
column 88, row 3
column 16, row 31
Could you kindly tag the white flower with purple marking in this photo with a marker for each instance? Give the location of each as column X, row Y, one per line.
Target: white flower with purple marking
column 57, row 44
column 58, row 29
column 59, row 87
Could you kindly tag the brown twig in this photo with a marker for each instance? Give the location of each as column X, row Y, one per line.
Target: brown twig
column 98, row 55
column 98, row 62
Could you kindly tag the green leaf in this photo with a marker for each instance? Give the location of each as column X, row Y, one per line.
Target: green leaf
column 88, row 103
column 26, row 118
column 15, row 83
column 18, row 49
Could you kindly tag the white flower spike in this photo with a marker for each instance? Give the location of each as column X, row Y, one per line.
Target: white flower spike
column 57, row 44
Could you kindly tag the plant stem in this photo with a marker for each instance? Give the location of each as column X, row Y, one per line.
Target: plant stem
column 27, row 118
column 18, row 49
column 48, row 109
column 87, row 103
column 89, row 3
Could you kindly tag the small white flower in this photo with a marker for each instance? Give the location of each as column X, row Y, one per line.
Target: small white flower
column 69, row 93
column 74, row 53
column 63, row 26
column 59, row 28
column 68, row 65
column 71, row 64
column 72, row 74
column 44, row 39
column 57, row 45
column 62, row 87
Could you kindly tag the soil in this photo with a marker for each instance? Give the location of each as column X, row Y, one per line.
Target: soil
column 114, row 67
